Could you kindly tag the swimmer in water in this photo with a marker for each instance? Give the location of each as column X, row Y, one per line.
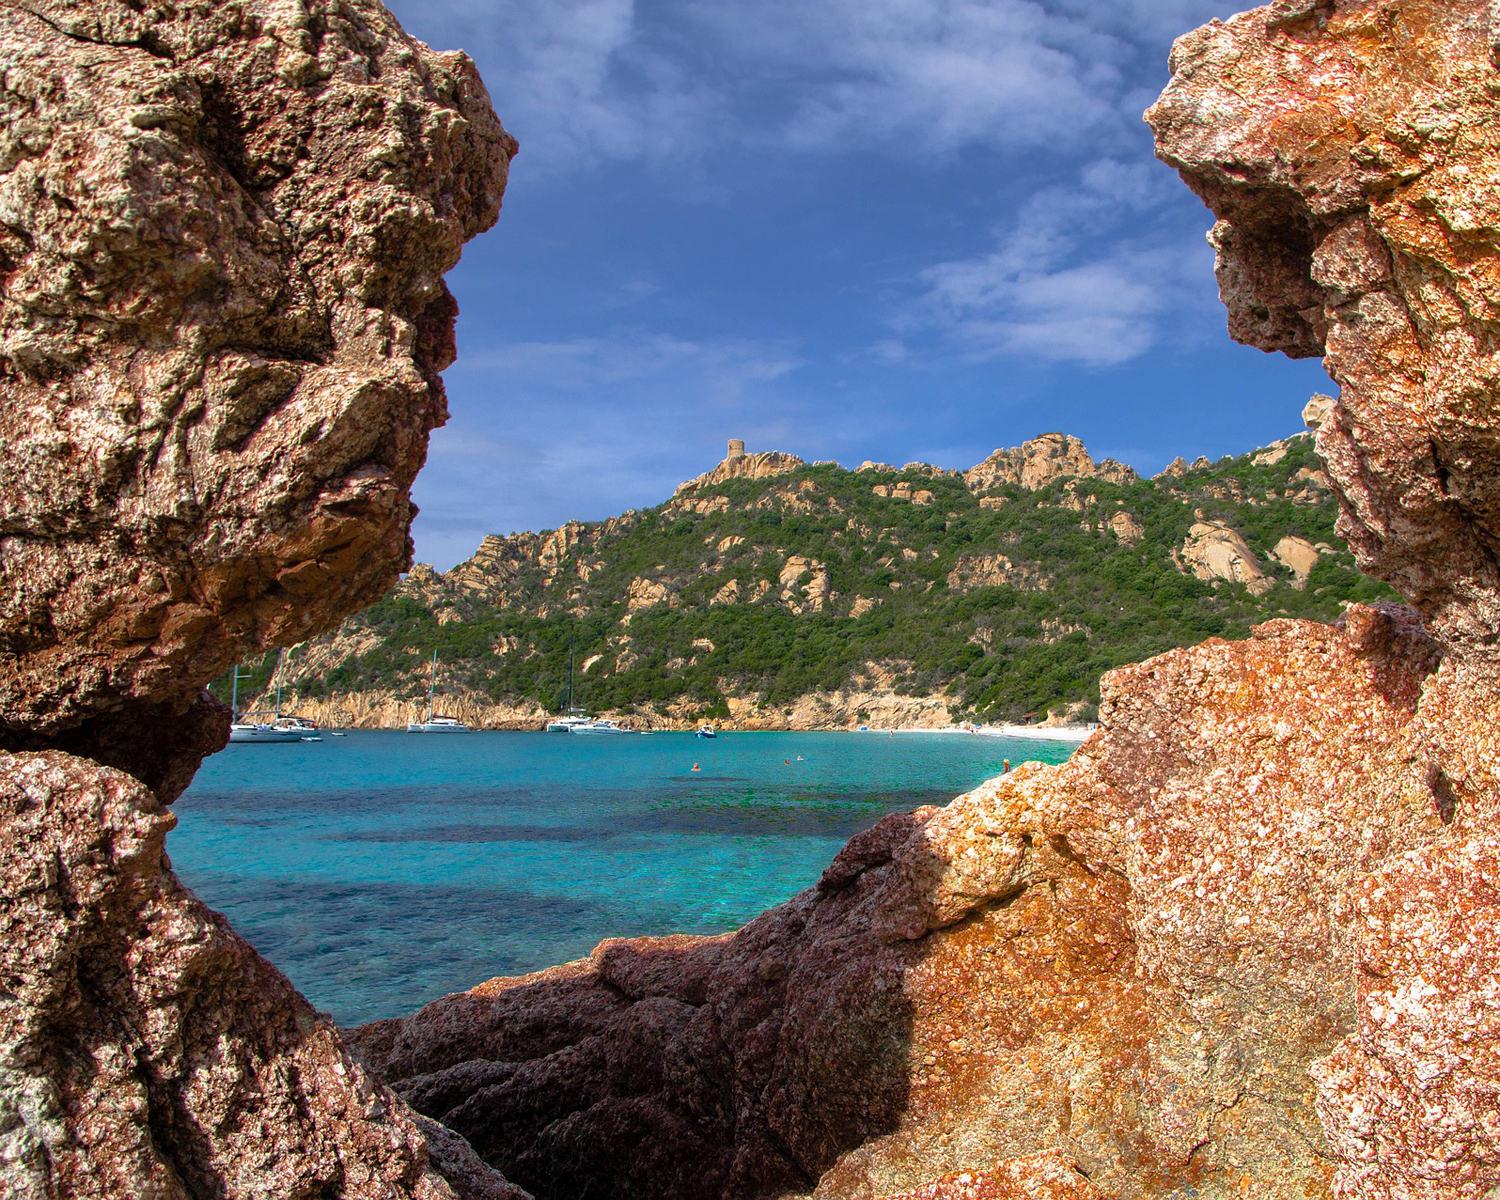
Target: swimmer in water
column 696, row 767
column 1005, row 768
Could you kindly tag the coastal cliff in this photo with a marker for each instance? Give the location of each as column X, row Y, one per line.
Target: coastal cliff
column 1245, row 941
column 222, row 321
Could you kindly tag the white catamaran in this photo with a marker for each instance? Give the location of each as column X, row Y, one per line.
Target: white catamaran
column 436, row 723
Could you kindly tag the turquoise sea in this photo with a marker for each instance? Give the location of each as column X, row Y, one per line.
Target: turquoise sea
column 381, row 870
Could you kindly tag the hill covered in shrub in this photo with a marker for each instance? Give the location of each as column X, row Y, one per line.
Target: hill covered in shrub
column 991, row 594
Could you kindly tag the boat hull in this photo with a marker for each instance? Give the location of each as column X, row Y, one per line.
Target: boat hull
column 263, row 734
column 437, row 727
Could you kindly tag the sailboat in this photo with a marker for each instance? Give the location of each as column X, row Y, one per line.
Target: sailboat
column 571, row 717
column 434, row 722
column 277, row 728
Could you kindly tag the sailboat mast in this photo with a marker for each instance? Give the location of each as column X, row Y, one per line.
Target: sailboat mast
column 431, row 684
column 234, row 695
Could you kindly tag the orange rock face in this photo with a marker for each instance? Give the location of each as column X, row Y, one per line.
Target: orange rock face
column 1340, row 145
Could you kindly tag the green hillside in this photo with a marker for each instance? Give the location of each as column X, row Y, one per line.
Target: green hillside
column 1003, row 600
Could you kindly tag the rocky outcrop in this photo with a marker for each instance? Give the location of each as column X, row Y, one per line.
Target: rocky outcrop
column 1298, row 555
column 147, row 1050
column 993, row 570
column 1036, row 463
column 1126, row 527
column 222, row 323
column 1348, row 226
column 223, row 234
column 1337, row 144
column 1213, row 551
column 764, row 465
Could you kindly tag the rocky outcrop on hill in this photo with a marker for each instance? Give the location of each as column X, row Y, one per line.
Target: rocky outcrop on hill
column 1213, row 551
column 765, row 465
column 1036, row 463
column 221, row 325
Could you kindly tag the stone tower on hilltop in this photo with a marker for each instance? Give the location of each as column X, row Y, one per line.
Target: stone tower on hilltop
column 736, row 449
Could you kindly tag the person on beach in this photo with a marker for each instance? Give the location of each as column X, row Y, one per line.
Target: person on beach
column 1005, row 766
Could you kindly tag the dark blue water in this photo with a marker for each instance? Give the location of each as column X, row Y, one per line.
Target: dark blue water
column 381, row 870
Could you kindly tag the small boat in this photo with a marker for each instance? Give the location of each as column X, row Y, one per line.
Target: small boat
column 434, row 722
column 707, row 731
column 262, row 731
column 602, row 725
column 269, row 727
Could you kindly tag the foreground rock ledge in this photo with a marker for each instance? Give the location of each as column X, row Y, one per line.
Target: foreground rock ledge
column 146, row 1050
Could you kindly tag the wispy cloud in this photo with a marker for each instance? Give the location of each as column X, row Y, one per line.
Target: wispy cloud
column 1082, row 274
column 587, row 81
column 577, row 81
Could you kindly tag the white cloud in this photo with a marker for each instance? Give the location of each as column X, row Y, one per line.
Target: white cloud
column 937, row 73
column 576, row 81
column 582, row 82
column 1081, row 275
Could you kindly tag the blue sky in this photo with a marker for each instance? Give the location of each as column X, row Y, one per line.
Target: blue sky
column 848, row 229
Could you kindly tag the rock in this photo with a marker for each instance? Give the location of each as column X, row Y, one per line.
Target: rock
column 1048, row 1176
column 1317, row 410
column 765, row 465
column 993, row 570
column 1338, row 145
column 647, row 593
column 221, row 332
column 1038, row 462
column 1136, row 956
column 1127, row 527
column 805, row 584
column 728, row 594
column 1338, row 155
column 1213, row 551
column 149, row 1051
column 1298, row 554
